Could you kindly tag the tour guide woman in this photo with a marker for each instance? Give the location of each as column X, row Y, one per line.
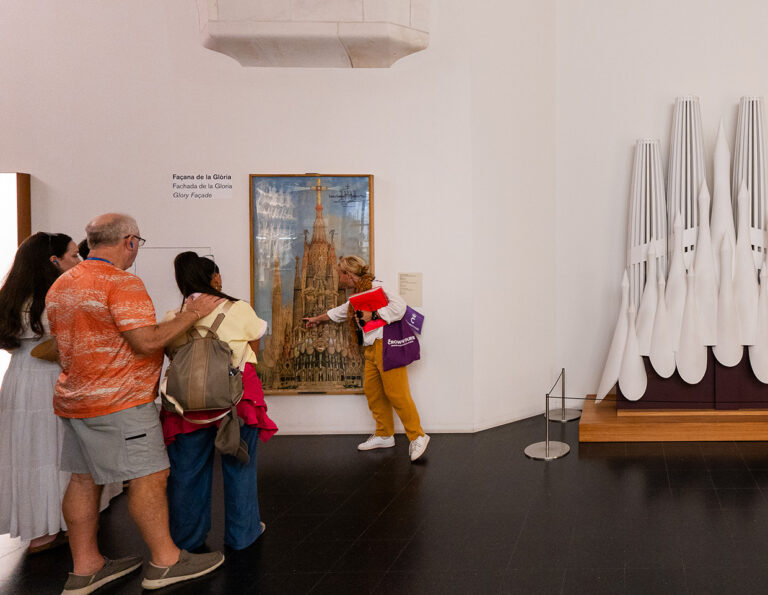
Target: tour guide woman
column 384, row 390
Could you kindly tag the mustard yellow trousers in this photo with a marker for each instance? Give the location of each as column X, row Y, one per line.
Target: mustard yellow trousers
column 386, row 391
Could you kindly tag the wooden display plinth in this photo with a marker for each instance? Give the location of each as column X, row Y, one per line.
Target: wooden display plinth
column 601, row 422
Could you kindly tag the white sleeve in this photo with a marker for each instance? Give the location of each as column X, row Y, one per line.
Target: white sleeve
column 394, row 310
column 339, row 313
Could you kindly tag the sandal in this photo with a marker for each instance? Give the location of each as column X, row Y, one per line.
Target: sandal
column 61, row 539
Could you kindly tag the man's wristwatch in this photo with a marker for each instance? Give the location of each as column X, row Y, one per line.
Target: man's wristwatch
column 374, row 315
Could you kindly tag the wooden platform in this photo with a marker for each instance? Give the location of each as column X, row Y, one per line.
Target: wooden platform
column 600, row 422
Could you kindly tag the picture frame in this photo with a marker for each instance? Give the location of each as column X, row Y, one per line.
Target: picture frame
column 300, row 225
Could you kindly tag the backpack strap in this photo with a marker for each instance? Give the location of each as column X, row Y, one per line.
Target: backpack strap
column 194, row 331
column 177, row 408
column 220, row 318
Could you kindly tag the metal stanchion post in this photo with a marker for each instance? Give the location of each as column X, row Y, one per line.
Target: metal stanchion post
column 547, row 451
column 564, row 415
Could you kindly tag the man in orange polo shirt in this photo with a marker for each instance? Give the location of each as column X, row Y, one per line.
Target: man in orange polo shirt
column 111, row 355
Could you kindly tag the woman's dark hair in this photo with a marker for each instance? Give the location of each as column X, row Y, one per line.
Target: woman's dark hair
column 194, row 274
column 29, row 279
column 83, row 249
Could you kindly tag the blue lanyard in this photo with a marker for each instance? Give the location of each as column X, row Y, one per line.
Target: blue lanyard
column 101, row 259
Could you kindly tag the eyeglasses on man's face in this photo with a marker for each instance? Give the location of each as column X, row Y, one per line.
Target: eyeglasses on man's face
column 141, row 240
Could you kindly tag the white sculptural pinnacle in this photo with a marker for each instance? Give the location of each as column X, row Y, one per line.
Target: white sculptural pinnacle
column 722, row 209
column 632, row 378
column 705, row 287
column 647, row 219
column 676, row 285
column 728, row 350
column 749, row 167
column 691, row 355
column 662, row 352
column 647, row 310
column 616, row 351
column 744, row 275
column 686, row 171
column 758, row 353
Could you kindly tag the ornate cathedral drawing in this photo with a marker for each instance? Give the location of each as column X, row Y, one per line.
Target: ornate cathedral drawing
column 323, row 359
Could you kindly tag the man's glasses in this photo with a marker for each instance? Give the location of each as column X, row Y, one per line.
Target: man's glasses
column 142, row 241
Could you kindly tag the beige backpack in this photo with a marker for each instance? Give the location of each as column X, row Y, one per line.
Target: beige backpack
column 201, row 377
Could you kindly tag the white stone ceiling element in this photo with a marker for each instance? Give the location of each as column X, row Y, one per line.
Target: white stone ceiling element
column 315, row 33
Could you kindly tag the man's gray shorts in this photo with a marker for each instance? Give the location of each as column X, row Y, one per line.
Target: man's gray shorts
column 115, row 447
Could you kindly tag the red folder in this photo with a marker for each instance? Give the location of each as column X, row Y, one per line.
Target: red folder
column 368, row 301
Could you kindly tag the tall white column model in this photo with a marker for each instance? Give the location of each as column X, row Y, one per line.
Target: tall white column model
column 758, row 353
column 704, row 265
column 676, row 285
column 686, row 171
column 722, row 209
column 662, row 351
column 691, row 355
column 749, row 167
column 646, row 313
column 647, row 217
column 632, row 378
column 618, row 343
column 728, row 350
column 744, row 275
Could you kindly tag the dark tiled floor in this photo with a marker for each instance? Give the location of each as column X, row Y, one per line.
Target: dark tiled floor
column 477, row 516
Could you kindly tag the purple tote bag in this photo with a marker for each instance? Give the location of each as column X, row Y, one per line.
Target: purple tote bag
column 401, row 347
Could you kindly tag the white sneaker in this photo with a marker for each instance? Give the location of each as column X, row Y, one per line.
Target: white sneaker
column 418, row 446
column 377, row 442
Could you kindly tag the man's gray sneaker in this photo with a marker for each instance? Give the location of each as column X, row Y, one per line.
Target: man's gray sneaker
column 78, row 584
column 188, row 567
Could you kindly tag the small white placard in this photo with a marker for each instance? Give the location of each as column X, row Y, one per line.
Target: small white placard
column 409, row 288
column 201, row 186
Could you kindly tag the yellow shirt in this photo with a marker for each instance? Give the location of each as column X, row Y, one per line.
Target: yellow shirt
column 240, row 325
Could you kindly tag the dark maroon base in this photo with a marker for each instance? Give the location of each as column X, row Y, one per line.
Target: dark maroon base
column 674, row 392
column 721, row 388
column 737, row 387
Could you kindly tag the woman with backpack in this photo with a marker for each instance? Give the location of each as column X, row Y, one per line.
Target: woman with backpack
column 32, row 486
column 191, row 446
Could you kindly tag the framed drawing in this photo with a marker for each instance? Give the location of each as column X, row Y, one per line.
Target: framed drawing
column 300, row 226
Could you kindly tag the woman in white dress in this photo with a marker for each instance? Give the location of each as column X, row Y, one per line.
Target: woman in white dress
column 31, row 485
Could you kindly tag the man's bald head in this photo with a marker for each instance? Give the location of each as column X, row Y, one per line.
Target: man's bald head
column 109, row 229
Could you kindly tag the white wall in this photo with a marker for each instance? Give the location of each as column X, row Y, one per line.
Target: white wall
column 102, row 102
column 513, row 136
column 620, row 66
